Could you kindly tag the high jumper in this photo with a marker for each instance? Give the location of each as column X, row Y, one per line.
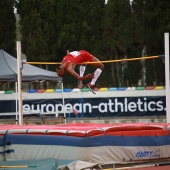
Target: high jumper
column 72, row 59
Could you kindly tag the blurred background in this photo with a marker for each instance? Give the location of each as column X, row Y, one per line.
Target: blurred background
column 110, row 30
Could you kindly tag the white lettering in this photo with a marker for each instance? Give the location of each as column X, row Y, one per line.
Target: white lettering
column 110, row 104
column 103, row 107
column 113, row 105
column 50, row 108
column 42, row 107
column 150, row 107
column 87, row 107
column 126, row 105
column 132, row 106
column 68, row 107
column 117, row 104
column 140, row 103
column 26, row 107
column 145, row 105
column 78, row 107
column 59, row 107
column 160, row 106
column 33, row 108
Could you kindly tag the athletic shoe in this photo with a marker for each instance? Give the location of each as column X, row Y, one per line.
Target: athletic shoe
column 91, row 87
column 80, row 84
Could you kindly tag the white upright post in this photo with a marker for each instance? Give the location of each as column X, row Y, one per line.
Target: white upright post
column 16, row 101
column 20, row 107
column 167, row 78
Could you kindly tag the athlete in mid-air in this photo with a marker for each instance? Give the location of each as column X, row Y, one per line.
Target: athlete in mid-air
column 73, row 58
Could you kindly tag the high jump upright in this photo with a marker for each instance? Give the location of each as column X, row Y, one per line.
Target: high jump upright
column 167, row 78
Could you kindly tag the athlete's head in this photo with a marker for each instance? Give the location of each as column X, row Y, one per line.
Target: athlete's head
column 60, row 71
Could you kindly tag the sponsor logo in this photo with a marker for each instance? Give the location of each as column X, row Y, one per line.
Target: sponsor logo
column 102, row 106
column 148, row 154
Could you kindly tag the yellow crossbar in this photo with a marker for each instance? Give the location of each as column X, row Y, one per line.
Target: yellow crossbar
column 106, row 61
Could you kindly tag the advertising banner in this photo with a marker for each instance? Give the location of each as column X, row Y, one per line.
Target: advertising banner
column 94, row 107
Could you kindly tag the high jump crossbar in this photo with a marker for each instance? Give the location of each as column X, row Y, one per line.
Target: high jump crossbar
column 106, row 61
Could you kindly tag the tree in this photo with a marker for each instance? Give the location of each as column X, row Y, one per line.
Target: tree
column 50, row 27
column 91, row 31
column 133, row 70
column 157, row 14
column 111, row 31
column 79, row 27
column 38, row 29
column 138, row 11
column 8, row 27
column 117, row 35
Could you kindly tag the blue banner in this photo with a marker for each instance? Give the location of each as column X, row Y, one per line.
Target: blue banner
column 95, row 107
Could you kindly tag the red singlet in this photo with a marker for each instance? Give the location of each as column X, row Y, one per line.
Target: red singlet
column 77, row 57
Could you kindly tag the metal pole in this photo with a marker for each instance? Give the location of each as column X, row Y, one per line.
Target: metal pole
column 20, row 110
column 167, row 78
column 63, row 102
column 16, row 102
